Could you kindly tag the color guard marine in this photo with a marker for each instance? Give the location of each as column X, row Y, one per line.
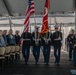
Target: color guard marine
column 57, row 38
column 46, row 41
column 36, row 42
column 26, row 36
column 70, row 39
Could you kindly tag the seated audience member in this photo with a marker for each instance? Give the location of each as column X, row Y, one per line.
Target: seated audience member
column 2, row 42
column 5, row 37
column 17, row 37
column 11, row 38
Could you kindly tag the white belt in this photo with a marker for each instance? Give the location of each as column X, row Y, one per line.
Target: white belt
column 57, row 39
column 36, row 39
column 26, row 39
column 47, row 39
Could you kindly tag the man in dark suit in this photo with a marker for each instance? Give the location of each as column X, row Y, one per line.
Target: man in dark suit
column 74, row 50
column 70, row 39
column 17, row 48
column 57, row 38
column 36, row 45
column 26, row 36
column 17, row 38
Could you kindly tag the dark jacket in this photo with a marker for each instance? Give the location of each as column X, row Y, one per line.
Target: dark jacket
column 74, row 44
column 34, row 39
column 11, row 41
column 46, row 39
column 5, row 39
column 26, row 43
column 57, row 42
column 17, row 39
column 70, row 38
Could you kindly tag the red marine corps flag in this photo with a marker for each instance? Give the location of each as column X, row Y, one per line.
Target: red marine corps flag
column 30, row 10
column 45, row 27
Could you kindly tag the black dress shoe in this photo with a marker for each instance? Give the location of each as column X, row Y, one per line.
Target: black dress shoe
column 36, row 63
column 58, row 64
column 69, row 59
column 47, row 63
column 25, row 63
column 44, row 61
column 55, row 61
column 74, row 65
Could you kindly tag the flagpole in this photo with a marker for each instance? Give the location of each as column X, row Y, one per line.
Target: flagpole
column 30, row 28
column 24, row 25
column 50, row 28
column 48, row 34
column 35, row 20
column 60, row 26
column 55, row 21
column 35, row 25
column 48, row 16
column 45, row 24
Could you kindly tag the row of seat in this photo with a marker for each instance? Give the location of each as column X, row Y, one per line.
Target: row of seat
column 8, row 52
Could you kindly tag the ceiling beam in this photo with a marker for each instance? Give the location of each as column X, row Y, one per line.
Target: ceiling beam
column 7, row 8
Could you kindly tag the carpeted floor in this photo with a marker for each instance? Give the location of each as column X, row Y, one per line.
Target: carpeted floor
column 20, row 68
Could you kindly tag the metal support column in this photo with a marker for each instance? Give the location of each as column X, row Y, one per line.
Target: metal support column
column 10, row 23
column 75, row 21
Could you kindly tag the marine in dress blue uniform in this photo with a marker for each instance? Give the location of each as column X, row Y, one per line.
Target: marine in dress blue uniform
column 70, row 41
column 26, row 36
column 36, row 45
column 57, row 38
column 46, row 43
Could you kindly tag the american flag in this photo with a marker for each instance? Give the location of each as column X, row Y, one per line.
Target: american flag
column 30, row 10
